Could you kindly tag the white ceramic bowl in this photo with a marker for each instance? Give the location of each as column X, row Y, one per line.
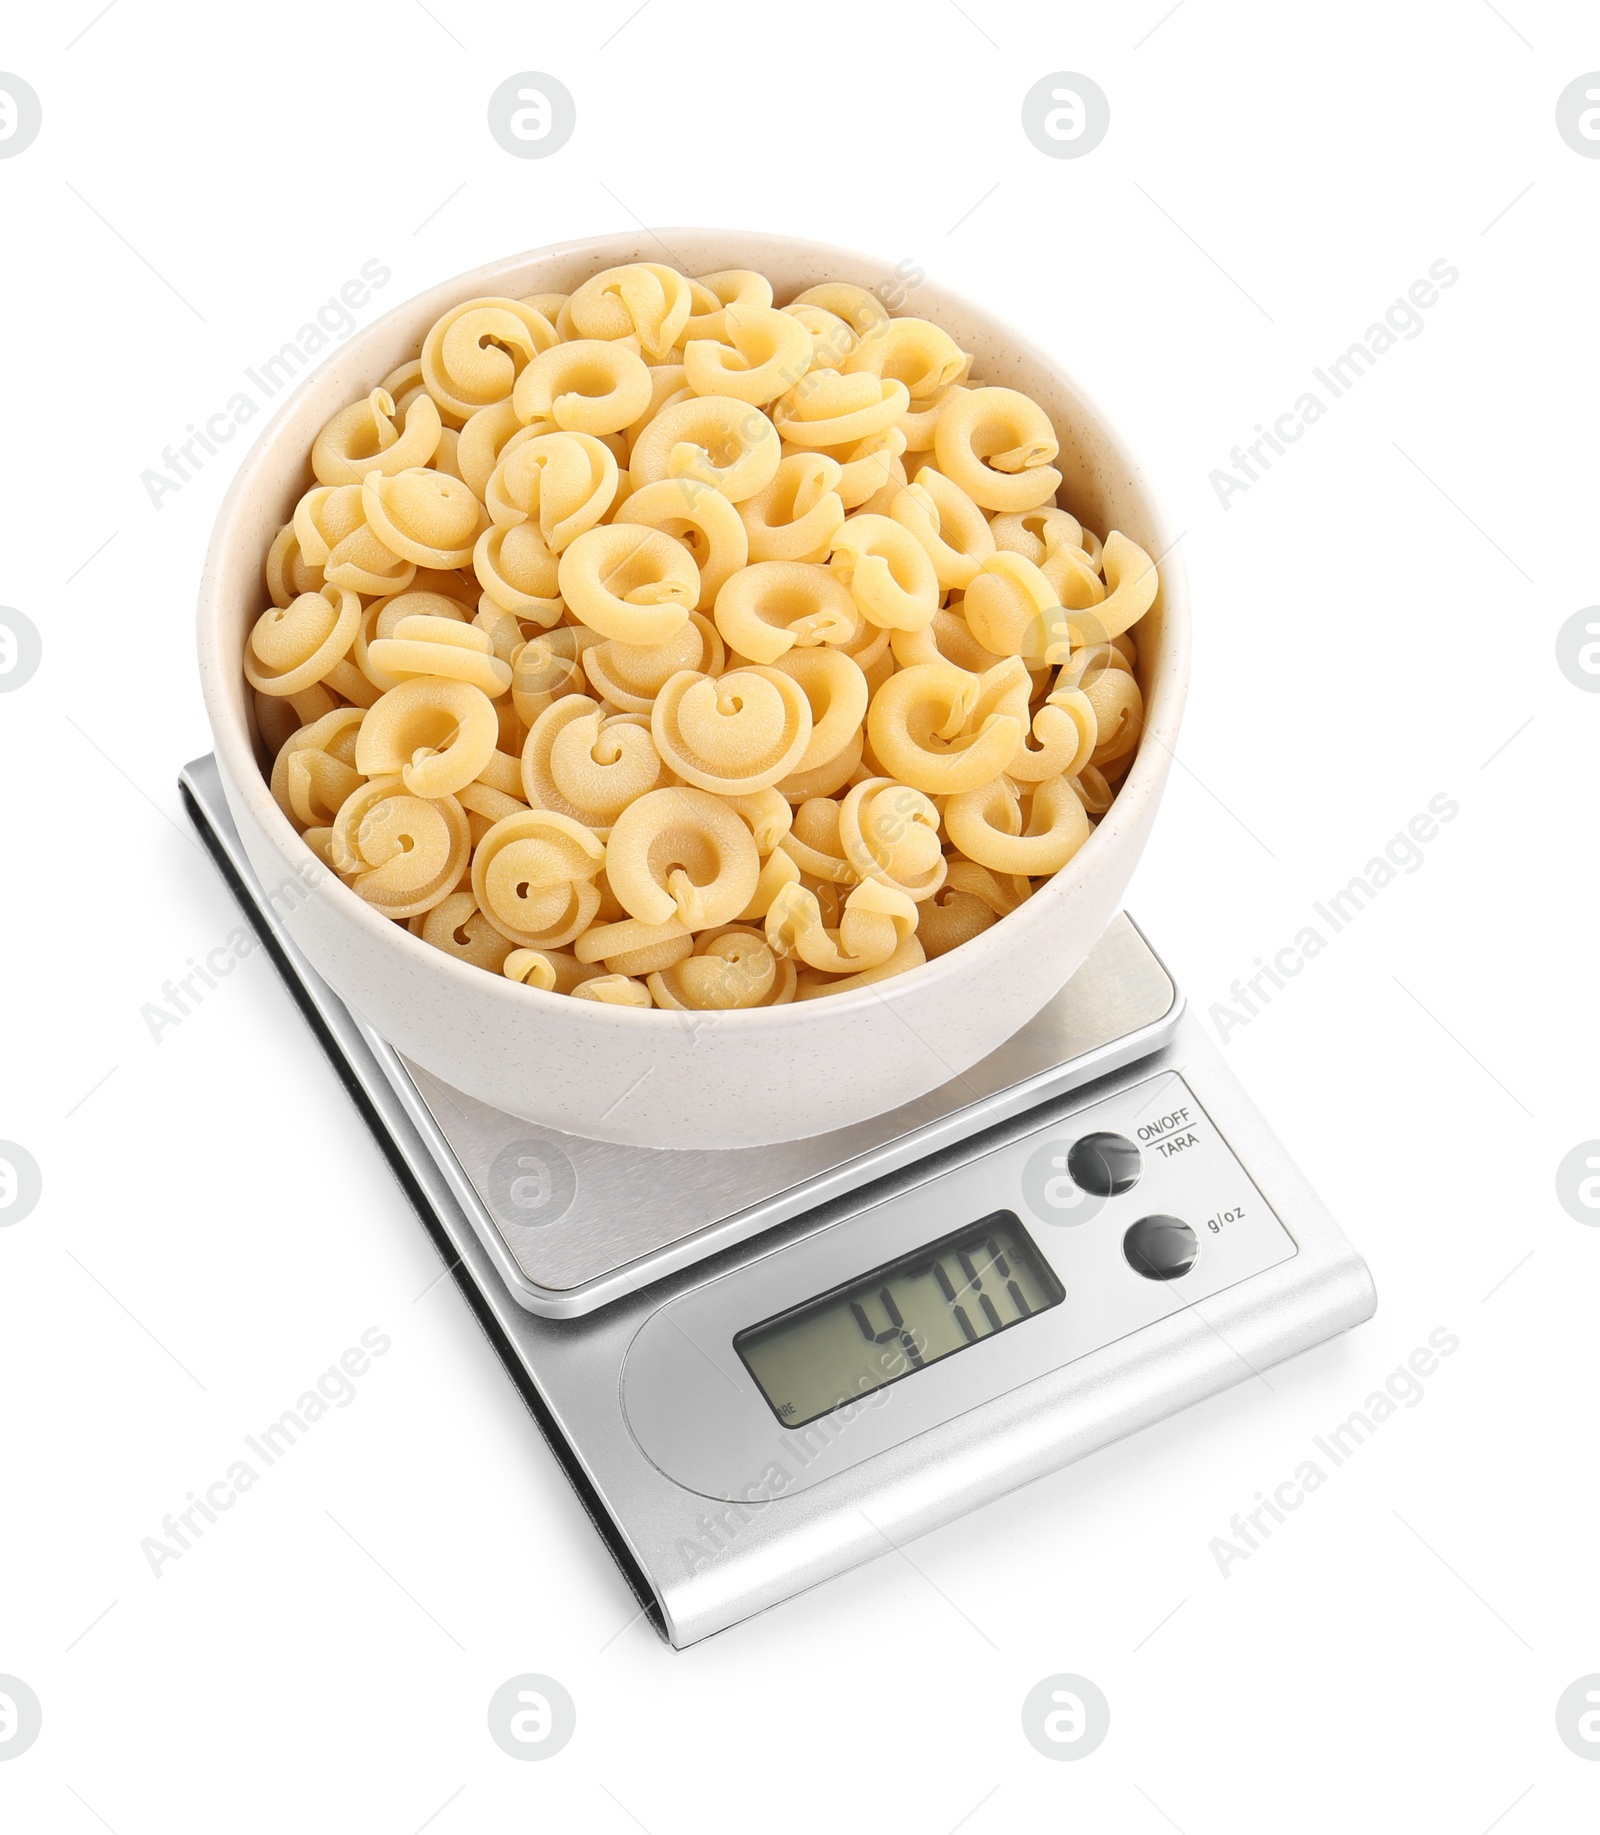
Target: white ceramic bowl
column 662, row 1079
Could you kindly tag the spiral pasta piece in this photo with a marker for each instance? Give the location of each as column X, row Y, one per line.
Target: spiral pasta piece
column 485, row 805
column 1131, row 583
column 868, row 468
column 813, row 985
column 890, row 833
column 832, row 340
column 1119, row 714
column 730, row 968
column 1078, row 588
column 460, row 929
column 1001, row 892
column 991, row 826
column 758, row 354
column 315, row 772
column 294, row 646
column 363, row 438
column 549, row 304
column 712, row 294
column 533, row 877
column 947, row 638
column 836, row 693
column 777, row 871
column 643, row 299
column 424, row 645
column 1007, row 688
column 767, row 815
column 949, row 919
column 797, row 515
column 877, row 919
column 996, row 445
column 1012, row 609
column 588, row 765
column 614, row 991
column 828, row 408
column 889, row 574
column 738, row 733
column 1094, row 789
column 588, row 386
column 401, row 853
column 481, row 444
column 699, row 516
column 630, row 676
column 518, row 573
column 437, row 735
column 953, row 532
column 529, row 967
column 815, row 844
column 829, row 777
column 768, row 607
column 276, row 721
column 1037, row 534
column 288, row 572
column 564, row 482
column 920, row 726
column 426, row 517
column 382, row 616
column 552, row 971
column 710, row 439
column 682, row 853
column 473, row 355
column 330, row 524
column 859, row 309
column 921, row 355
column 920, row 419
column 405, row 384
column 630, row 947
column 629, row 583
column 1067, row 728
column 547, row 667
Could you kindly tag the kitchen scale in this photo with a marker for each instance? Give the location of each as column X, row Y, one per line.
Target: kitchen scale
column 760, row 1367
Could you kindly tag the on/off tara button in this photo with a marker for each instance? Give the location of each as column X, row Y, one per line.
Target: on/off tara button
column 1105, row 1164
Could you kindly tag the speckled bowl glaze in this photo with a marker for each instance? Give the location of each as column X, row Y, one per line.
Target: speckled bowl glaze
column 664, row 1079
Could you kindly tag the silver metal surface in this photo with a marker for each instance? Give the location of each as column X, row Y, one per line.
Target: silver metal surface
column 633, row 1215
column 701, row 1566
column 702, row 1422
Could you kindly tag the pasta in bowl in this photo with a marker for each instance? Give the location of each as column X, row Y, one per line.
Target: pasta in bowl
column 693, row 705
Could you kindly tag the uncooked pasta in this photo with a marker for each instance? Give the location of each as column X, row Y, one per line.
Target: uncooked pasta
column 666, row 646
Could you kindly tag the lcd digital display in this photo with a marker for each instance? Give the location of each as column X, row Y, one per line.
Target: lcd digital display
column 899, row 1318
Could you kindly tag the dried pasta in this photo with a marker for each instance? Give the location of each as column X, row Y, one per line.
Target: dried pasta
column 672, row 646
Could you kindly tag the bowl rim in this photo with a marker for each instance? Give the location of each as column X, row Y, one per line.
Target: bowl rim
column 243, row 774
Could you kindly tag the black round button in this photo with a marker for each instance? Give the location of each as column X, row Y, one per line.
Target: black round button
column 1161, row 1248
column 1104, row 1164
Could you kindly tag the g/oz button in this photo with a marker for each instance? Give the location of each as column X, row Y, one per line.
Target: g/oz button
column 1105, row 1164
column 1161, row 1248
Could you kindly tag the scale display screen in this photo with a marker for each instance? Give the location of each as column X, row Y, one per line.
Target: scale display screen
column 899, row 1318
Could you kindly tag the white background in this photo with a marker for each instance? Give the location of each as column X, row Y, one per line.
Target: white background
column 1375, row 624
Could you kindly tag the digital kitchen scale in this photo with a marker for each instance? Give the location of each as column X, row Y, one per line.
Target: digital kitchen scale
column 760, row 1367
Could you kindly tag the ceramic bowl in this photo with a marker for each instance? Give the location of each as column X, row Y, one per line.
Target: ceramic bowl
column 661, row 1079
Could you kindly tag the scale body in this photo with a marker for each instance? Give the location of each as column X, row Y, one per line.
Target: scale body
column 676, row 1321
